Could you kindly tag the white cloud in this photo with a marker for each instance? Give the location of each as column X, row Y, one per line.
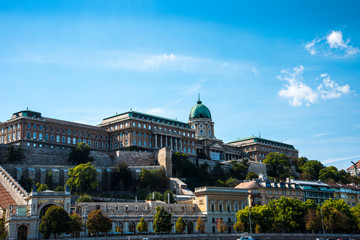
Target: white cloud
column 321, row 135
column 299, row 93
column 254, row 70
column 340, row 159
column 330, row 89
column 332, row 44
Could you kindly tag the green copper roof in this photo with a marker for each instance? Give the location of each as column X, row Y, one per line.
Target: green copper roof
column 199, row 111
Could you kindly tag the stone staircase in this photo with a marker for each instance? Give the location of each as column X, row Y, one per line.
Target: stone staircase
column 11, row 193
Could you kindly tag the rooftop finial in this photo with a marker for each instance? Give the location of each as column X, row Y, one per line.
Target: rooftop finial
column 199, row 101
column 27, row 108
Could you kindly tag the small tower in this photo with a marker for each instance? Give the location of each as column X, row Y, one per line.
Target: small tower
column 200, row 120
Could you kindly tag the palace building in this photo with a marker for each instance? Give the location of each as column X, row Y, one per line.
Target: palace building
column 137, row 131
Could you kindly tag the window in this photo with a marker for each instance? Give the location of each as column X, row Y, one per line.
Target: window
column 69, row 131
column 63, row 140
column 57, row 138
column 41, row 127
column 34, row 126
column 46, row 137
column 69, row 140
column 52, row 138
column 40, row 136
column 74, row 140
column 34, row 135
column 29, row 125
column 89, row 143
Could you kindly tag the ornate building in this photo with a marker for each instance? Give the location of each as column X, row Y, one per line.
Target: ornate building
column 137, row 131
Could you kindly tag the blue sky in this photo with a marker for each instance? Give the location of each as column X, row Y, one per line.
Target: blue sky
column 288, row 70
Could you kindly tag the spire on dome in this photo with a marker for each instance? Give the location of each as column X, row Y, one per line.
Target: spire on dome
column 199, row 101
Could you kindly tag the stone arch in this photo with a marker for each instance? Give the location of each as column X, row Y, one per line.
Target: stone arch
column 45, row 206
column 22, row 232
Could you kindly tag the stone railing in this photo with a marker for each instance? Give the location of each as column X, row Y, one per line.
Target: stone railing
column 13, row 187
column 18, row 211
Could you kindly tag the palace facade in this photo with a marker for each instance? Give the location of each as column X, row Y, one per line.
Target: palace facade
column 137, row 131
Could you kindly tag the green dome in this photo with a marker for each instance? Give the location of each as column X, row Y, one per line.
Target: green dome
column 199, row 111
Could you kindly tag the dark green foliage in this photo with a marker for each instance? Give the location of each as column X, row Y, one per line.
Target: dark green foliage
column 162, row 221
column 280, row 163
column 329, row 174
column 59, row 188
column 337, row 216
column 153, row 179
column 3, row 233
column 122, row 178
column 166, row 196
column 42, row 187
column 155, row 196
column 251, row 175
column 84, row 198
column 80, row 153
column 231, row 182
column 239, row 169
column 55, row 221
column 26, row 183
column 76, row 223
column 14, row 155
column 98, row 222
column 310, row 169
column 142, row 226
column 82, row 178
column 49, row 179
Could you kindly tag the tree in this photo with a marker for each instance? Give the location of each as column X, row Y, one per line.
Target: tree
column 251, row 175
column 239, row 169
column 3, row 233
column 355, row 212
column 59, row 188
column 155, row 196
column 122, row 177
column 310, row 169
column 162, row 221
column 80, row 153
column 76, row 223
column 82, row 178
column 142, row 226
column 55, row 221
column 84, row 198
column 98, row 222
column 220, row 225
column 239, row 227
column 218, row 172
column 312, row 221
column 166, row 196
column 14, row 154
column 153, row 179
column 280, row 163
column 200, row 225
column 180, row 225
column 337, row 216
column 328, row 174
column 42, row 187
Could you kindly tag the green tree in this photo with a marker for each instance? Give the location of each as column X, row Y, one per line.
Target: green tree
column 84, row 198
column 162, row 221
column 218, row 171
column 180, row 225
column 155, row 196
column 329, row 174
column 76, row 223
column 166, row 196
column 251, row 175
column 80, row 153
column 239, row 227
column 42, row 187
column 200, row 225
column 122, row 177
column 98, row 222
column 280, row 163
column 337, row 216
column 312, row 221
column 142, row 226
column 153, row 179
column 14, row 155
column 221, row 226
column 59, row 188
column 311, row 169
column 82, row 178
column 355, row 212
column 3, row 233
column 55, row 221
column 239, row 169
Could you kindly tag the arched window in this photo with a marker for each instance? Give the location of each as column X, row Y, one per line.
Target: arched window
column 132, row 227
column 119, row 227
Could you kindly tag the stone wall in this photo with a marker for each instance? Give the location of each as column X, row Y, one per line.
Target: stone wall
column 258, row 168
column 132, row 158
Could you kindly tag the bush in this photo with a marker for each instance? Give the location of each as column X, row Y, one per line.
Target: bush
column 84, row 198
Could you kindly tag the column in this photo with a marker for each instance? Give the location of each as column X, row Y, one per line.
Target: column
column 166, row 141
column 171, row 142
column 181, row 149
column 156, row 146
column 161, row 145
